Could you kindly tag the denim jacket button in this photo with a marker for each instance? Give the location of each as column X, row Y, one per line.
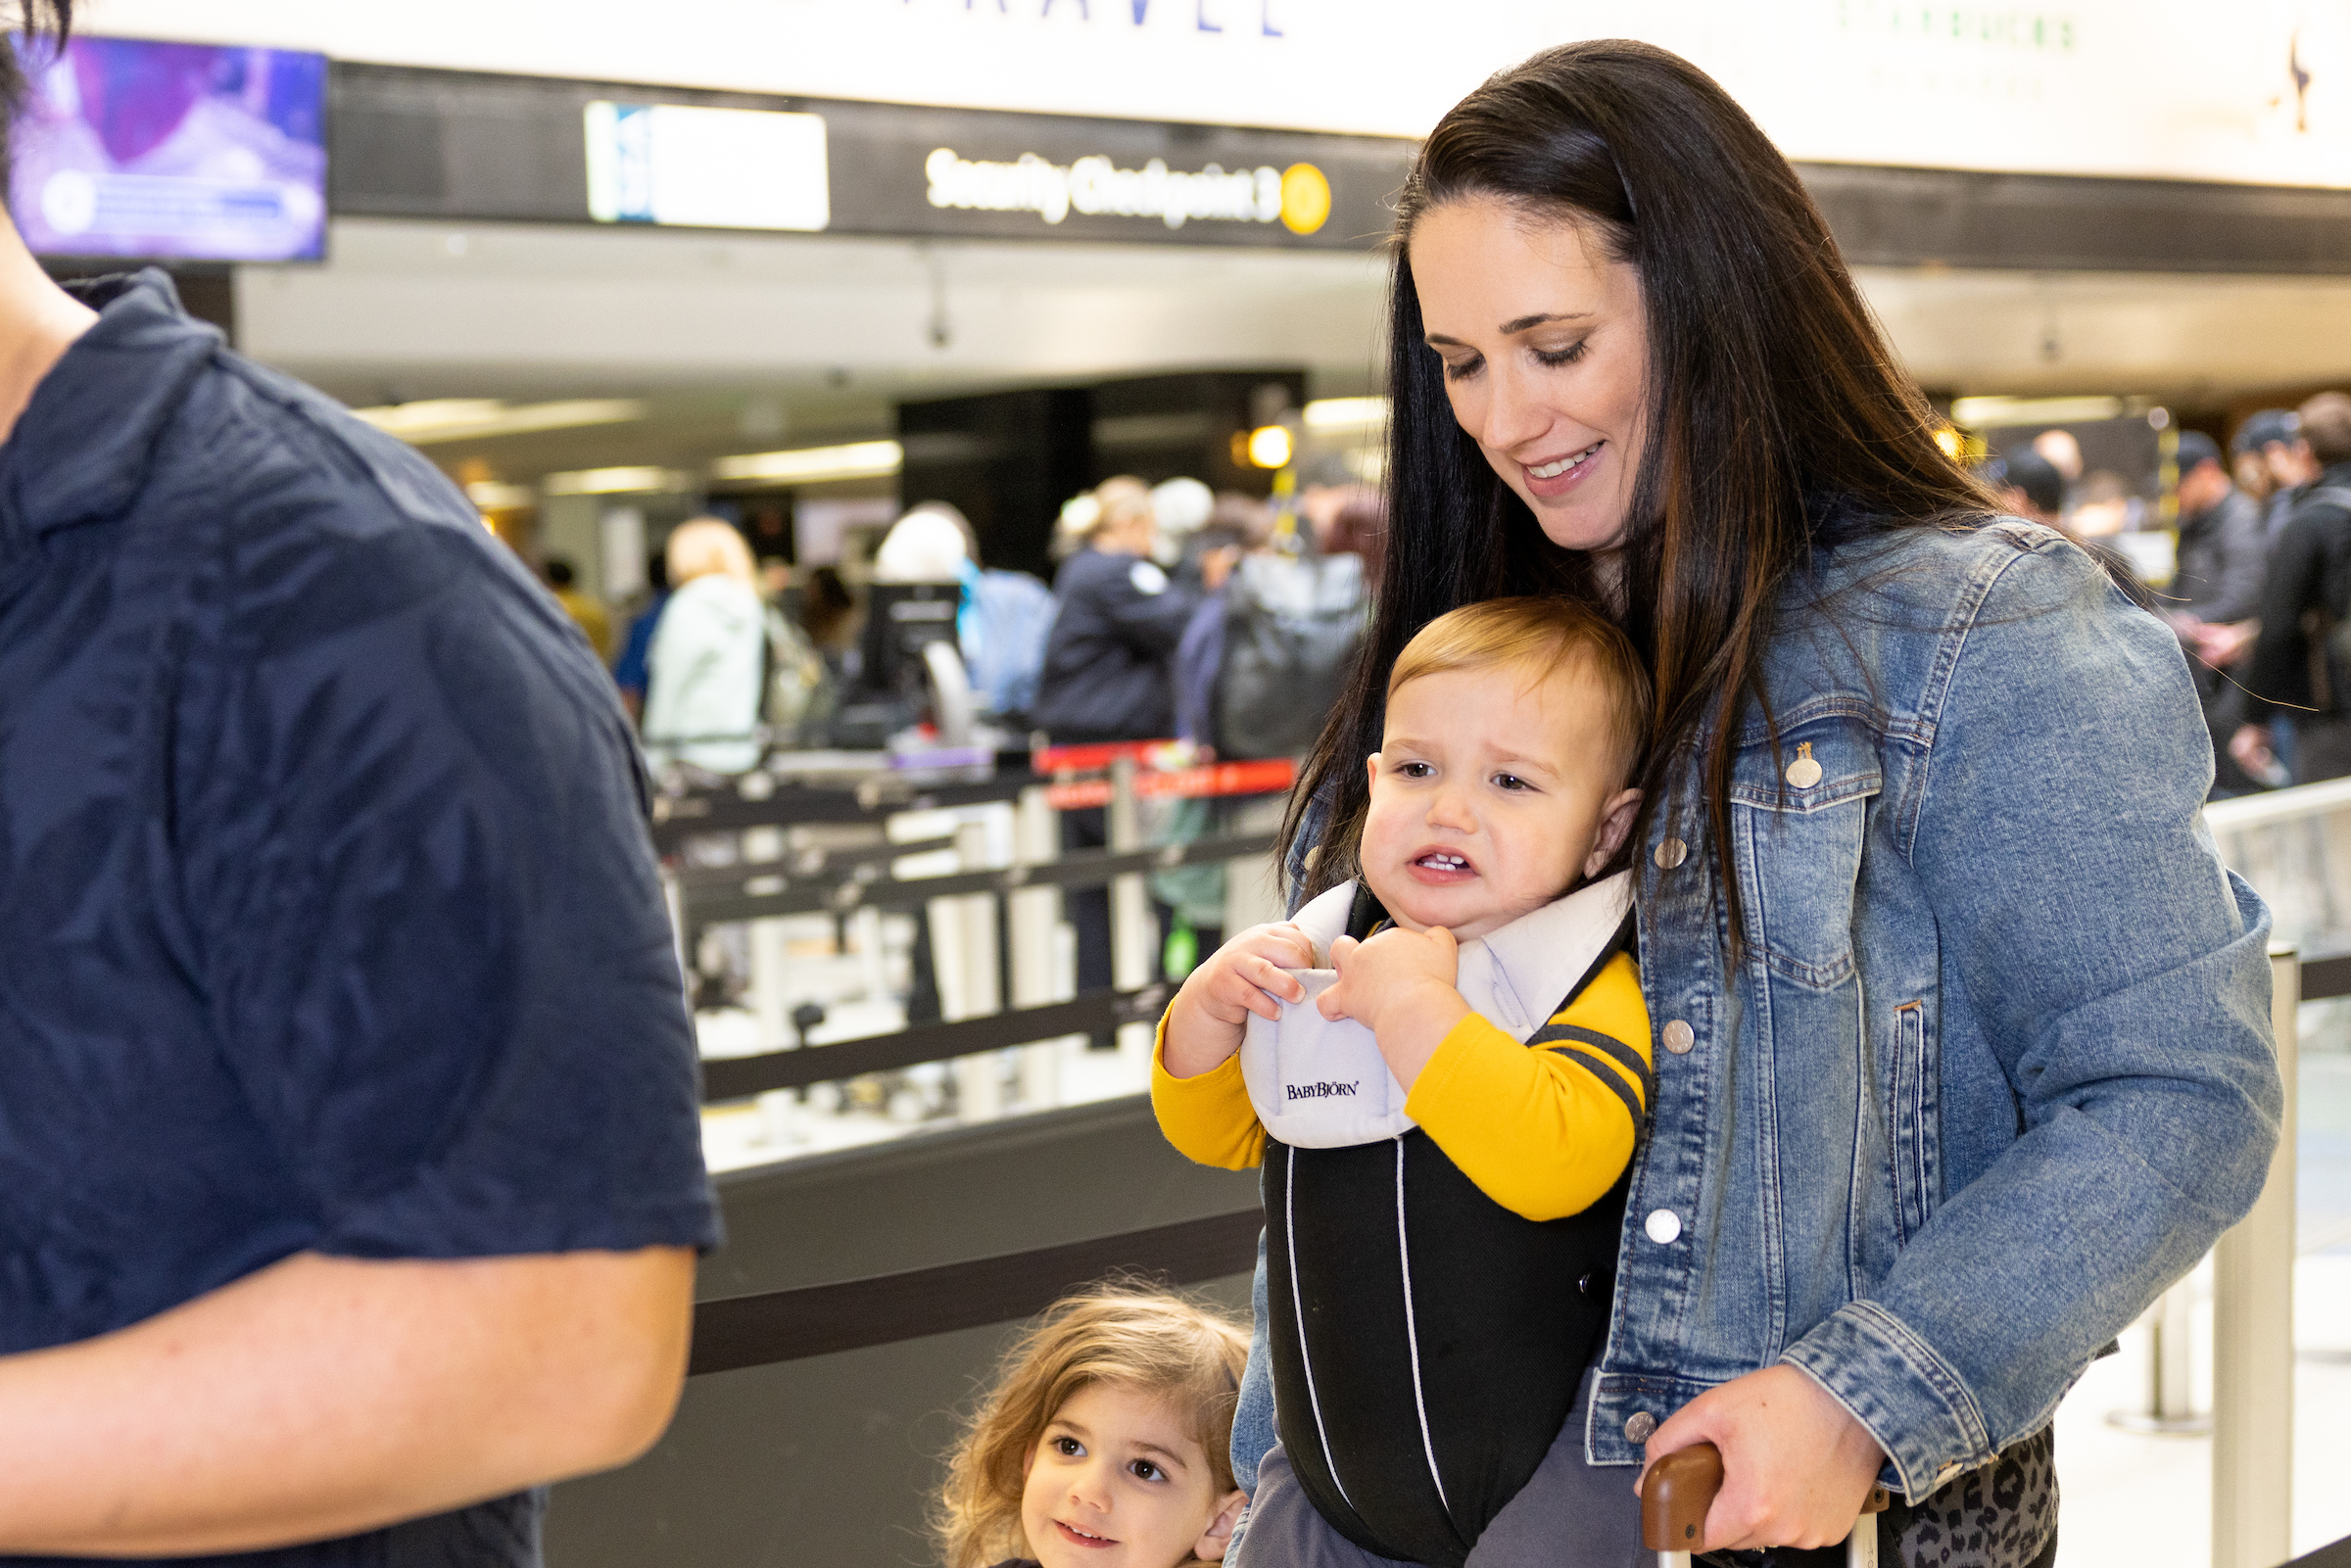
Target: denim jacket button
column 1680, row 1037
column 1663, row 1226
column 1639, row 1426
column 1671, row 852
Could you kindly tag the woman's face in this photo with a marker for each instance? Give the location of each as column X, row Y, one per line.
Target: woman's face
column 1546, row 350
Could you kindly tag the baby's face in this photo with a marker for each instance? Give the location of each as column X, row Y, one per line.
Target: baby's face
column 1493, row 793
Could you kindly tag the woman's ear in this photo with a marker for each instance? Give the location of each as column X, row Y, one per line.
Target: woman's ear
column 1210, row 1548
column 1616, row 821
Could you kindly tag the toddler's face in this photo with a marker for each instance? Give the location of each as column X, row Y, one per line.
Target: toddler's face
column 1493, row 793
column 1118, row 1481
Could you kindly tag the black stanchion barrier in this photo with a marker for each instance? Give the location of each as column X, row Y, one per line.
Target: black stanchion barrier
column 677, row 818
column 868, row 884
column 823, row 1319
column 732, row 1077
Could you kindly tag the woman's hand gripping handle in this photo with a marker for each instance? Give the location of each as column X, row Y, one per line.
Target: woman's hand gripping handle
column 1680, row 1489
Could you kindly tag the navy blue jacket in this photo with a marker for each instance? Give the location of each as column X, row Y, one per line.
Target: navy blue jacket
column 1109, row 663
column 328, row 917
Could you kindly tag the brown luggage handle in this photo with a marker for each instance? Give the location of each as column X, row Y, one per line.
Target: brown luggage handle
column 1681, row 1487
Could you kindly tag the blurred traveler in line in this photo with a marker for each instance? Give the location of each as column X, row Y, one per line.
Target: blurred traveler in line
column 1195, row 894
column 350, row 1173
column 2062, row 451
column 631, row 671
column 1002, row 625
column 1180, row 507
column 2302, row 660
column 2216, row 591
column 708, row 659
column 1360, row 528
column 2031, row 487
column 587, row 611
column 1107, row 674
column 2273, row 456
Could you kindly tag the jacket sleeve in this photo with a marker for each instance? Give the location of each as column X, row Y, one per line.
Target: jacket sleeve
column 1152, row 623
column 2275, row 673
column 1209, row 1118
column 1544, row 1128
column 2121, row 979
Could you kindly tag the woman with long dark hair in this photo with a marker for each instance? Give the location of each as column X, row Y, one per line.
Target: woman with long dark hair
column 1965, row 1043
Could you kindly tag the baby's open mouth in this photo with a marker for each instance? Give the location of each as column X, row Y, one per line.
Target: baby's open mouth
column 1440, row 860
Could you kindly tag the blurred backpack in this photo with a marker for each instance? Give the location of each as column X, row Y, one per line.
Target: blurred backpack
column 1002, row 632
column 796, row 694
column 1292, row 625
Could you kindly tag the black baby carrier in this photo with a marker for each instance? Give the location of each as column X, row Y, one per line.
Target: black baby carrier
column 1426, row 1342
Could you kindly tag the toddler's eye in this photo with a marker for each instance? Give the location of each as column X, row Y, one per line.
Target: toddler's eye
column 1413, row 770
column 1511, row 780
column 1145, row 1470
column 1069, row 1448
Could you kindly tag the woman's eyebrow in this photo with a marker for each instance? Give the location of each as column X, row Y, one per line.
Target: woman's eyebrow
column 1511, row 328
column 1521, row 323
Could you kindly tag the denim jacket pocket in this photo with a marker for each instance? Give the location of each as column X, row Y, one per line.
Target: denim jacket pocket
column 1915, row 1114
column 1800, row 818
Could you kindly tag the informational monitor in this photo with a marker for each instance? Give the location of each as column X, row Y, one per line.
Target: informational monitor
column 706, row 167
column 173, row 151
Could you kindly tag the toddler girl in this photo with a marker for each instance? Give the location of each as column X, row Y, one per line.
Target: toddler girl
column 1104, row 1442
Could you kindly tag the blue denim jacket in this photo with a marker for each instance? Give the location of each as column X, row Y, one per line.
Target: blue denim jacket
column 1993, row 1064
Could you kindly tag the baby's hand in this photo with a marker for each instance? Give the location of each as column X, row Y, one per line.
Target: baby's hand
column 1244, row 976
column 1399, row 985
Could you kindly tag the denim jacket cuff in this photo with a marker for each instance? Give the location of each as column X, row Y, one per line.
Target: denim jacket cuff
column 1893, row 1383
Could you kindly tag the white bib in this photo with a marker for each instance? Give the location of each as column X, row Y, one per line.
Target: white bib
column 1320, row 1085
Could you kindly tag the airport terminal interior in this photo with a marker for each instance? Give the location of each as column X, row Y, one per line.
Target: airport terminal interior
column 919, row 303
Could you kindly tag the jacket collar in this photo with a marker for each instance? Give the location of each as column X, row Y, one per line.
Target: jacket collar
column 83, row 447
column 1532, row 963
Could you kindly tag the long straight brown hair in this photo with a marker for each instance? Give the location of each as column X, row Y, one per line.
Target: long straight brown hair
column 1775, row 416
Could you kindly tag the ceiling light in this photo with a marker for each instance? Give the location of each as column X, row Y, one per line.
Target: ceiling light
column 1345, row 413
column 1270, row 446
column 809, row 465
column 1980, row 414
column 614, row 482
column 490, row 496
column 438, row 419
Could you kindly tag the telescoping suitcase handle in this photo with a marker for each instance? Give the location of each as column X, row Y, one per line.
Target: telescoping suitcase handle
column 1681, row 1487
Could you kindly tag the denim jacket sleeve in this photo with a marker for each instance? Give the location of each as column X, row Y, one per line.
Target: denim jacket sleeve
column 2121, row 979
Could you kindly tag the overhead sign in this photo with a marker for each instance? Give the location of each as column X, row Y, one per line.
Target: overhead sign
column 2258, row 91
column 705, row 167
column 1298, row 197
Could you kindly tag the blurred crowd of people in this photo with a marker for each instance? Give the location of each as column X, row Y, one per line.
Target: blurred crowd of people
column 2260, row 595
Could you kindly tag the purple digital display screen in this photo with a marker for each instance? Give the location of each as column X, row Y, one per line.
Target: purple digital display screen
column 170, row 151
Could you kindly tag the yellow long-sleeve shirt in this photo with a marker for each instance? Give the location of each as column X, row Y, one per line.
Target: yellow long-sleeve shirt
column 1544, row 1128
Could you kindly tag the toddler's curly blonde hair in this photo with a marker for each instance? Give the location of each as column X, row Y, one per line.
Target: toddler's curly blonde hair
column 1119, row 1332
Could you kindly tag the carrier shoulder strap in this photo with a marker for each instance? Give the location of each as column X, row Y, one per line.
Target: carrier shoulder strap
column 1555, row 1035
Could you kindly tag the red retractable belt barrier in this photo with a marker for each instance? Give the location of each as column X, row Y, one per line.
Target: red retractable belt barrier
column 1095, row 758
column 1216, row 779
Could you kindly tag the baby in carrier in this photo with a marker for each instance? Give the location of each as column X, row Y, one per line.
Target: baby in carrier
column 1444, row 1067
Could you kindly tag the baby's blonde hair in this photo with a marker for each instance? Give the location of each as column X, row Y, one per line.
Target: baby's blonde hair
column 1160, row 1345
column 1541, row 632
